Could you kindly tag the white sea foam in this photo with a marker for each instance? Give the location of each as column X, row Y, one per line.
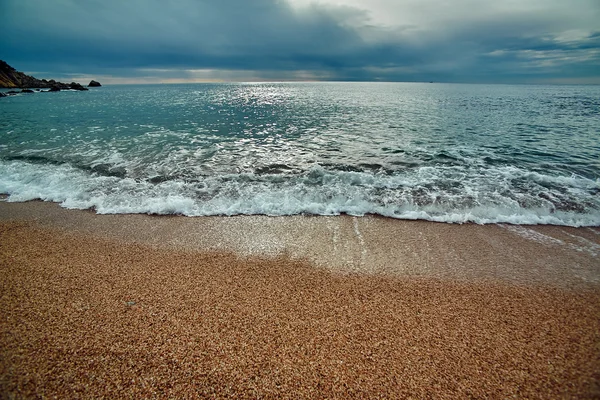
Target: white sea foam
column 427, row 194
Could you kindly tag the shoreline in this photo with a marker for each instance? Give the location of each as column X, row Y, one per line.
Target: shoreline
column 518, row 254
column 246, row 307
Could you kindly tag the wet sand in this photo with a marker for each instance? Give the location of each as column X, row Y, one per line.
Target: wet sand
column 295, row 307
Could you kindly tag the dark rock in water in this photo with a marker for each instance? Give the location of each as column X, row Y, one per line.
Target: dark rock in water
column 12, row 92
column 54, row 89
column 93, row 83
column 2, row 94
column 26, row 91
column 77, row 86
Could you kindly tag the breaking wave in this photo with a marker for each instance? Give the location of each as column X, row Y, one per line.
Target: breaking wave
column 455, row 194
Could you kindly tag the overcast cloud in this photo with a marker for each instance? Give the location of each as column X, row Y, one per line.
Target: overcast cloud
column 403, row 40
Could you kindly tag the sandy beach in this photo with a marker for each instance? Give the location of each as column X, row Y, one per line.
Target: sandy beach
column 137, row 306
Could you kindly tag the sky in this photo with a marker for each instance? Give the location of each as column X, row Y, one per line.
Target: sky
column 164, row 41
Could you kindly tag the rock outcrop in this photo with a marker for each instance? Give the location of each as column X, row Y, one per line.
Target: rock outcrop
column 93, row 83
column 11, row 78
column 77, row 86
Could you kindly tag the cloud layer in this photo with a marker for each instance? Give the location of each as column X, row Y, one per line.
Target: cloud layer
column 467, row 41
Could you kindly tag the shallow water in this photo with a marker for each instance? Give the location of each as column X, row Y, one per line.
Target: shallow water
column 441, row 152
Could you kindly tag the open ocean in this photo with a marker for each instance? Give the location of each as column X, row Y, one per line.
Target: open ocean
column 440, row 152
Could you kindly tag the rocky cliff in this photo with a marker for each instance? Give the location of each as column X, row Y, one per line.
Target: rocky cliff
column 11, row 78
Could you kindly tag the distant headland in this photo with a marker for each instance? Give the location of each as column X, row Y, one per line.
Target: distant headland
column 11, row 78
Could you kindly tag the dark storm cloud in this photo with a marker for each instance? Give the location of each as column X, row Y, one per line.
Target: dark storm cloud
column 271, row 39
column 224, row 34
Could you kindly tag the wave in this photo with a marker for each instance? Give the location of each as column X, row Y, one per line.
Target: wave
column 454, row 194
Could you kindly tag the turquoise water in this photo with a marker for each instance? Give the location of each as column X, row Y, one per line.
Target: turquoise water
column 441, row 152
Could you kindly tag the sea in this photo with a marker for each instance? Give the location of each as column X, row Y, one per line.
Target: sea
column 455, row 153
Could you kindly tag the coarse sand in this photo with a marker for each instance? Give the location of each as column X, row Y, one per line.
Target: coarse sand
column 86, row 316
